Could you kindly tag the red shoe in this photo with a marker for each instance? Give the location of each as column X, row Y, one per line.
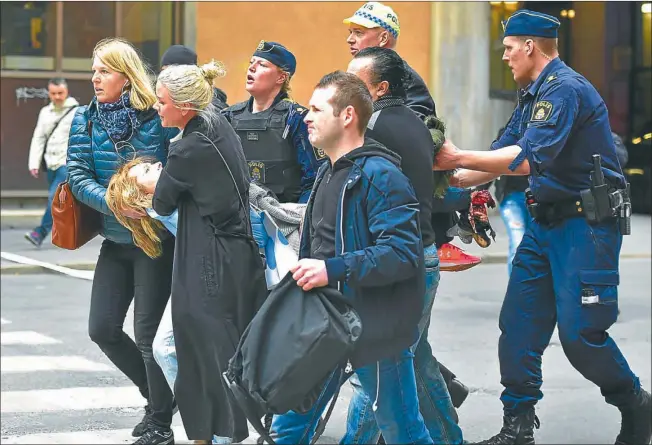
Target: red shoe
column 454, row 259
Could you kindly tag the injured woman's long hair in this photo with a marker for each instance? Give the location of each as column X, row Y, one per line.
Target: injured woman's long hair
column 123, row 192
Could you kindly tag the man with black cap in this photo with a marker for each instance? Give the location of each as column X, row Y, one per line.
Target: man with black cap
column 182, row 55
column 565, row 271
column 271, row 128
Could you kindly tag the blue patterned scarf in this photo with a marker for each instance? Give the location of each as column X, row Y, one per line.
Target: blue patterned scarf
column 118, row 118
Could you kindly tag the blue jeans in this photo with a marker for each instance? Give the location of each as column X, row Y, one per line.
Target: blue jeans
column 435, row 403
column 391, row 388
column 513, row 211
column 164, row 349
column 54, row 177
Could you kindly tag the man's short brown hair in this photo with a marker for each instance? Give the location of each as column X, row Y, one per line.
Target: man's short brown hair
column 349, row 90
column 547, row 45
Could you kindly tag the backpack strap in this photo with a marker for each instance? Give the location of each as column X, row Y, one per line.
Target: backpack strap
column 321, row 426
column 265, row 430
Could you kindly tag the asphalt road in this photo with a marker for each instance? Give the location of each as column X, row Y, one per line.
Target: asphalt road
column 57, row 387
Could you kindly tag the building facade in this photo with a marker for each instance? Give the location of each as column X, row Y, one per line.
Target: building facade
column 455, row 46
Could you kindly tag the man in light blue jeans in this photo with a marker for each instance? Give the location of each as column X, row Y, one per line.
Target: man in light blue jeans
column 510, row 193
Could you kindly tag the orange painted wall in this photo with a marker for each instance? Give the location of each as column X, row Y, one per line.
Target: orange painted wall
column 313, row 31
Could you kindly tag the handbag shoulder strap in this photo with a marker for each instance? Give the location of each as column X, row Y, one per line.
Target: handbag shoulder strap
column 55, row 127
column 235, row 184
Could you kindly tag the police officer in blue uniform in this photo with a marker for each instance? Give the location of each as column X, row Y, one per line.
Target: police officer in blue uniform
column 271, row 128
column 565, row 270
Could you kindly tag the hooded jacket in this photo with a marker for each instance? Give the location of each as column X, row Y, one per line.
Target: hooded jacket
column 55, row 152
column 379, row 264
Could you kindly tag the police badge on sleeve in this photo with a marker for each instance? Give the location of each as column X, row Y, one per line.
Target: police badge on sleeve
column 257, row 171
column 541, row 111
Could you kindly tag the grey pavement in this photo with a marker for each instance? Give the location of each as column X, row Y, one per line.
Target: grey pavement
column 464, row 334
column 637, row 245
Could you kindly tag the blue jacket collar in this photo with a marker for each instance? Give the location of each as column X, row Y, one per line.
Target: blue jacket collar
column 553, row 66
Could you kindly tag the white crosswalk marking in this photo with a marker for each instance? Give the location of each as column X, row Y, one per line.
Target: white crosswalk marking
column 70, row 399
column 26, row 338
column 113, row 403
column 35, row 363
column 96, row 437
column 3, row 321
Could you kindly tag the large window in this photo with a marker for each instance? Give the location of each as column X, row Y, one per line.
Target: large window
column 641, row 96
column 149, row 26
column 28, row 38
column 502, row 83
column 60, row 36
column 85, row 24
column 501, row 80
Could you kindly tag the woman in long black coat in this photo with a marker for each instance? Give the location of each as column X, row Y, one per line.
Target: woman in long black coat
column 218, row 280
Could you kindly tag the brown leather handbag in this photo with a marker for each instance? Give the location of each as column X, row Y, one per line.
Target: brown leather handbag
column 73, row 223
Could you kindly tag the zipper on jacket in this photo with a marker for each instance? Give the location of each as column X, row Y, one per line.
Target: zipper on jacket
column 349, row 366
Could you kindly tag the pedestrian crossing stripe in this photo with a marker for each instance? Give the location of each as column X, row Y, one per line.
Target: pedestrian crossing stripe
column 36, row 363
column 3, row 321
column 120, row 436
column 26, row 338
column 70, row 399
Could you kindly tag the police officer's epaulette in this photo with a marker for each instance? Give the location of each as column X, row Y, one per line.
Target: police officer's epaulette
column 551, row 77
column 300, row 110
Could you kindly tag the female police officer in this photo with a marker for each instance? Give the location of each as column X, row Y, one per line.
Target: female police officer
column 566, row 268
column 271, row 128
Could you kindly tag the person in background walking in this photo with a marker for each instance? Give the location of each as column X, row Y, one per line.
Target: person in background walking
column 49, row 147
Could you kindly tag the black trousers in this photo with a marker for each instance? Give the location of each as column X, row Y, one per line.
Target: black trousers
column 124, row 273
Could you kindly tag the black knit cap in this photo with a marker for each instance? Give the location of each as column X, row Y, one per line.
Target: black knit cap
column 179, row 55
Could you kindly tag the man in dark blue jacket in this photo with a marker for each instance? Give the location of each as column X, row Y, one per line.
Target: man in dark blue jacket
column 566, row 270
column 362, row 236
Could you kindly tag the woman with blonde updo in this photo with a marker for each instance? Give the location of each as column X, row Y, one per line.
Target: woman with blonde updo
column 218, row 281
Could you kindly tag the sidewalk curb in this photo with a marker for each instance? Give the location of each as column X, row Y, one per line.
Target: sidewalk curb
column 28, row 269
column 23, row 269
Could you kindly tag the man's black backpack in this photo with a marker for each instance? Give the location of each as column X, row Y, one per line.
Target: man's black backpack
column 290, row 349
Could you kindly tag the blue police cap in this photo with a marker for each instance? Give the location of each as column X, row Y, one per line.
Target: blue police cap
column 278, row 55
column 529, row 23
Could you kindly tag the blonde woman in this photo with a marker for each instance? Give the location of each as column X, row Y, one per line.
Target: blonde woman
column 125, row 193
column 218, row 281
column 118, row 125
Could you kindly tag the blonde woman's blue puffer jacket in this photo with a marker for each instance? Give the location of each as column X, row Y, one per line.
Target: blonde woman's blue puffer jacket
column 93, row 159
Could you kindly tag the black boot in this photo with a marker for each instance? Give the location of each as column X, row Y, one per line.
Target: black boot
column 636, row 427
column 517, row 430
